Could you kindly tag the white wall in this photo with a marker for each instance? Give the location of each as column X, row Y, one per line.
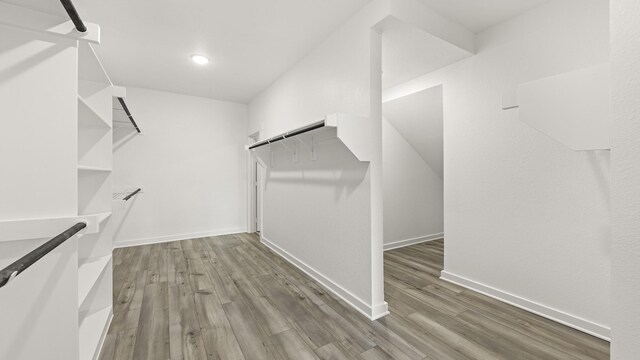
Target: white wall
column 191, row 163
column 625, row 175
column 418, row 118
column 413, row 192
column 342, row 75
column 333, row 78
column 38, row 180
column 317, row 212
column 41, row 123
column 526, row 218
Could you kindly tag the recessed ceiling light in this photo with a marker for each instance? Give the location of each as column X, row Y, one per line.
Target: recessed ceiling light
column 200, row 59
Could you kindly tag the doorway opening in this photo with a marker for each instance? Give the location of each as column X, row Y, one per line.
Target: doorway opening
column 412, row 157
column 255, row 182
column 413, row 168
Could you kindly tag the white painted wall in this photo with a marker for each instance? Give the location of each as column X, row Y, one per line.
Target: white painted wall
column 191, row 163
column 38, row 159
column 342, row 75
column 39, row 186
column 413, row 192
column 333, row 78
column 313, row 211
column 625, row 175
column 408, row 51
column 418, row 119
column 526, row 218
column 569, row 107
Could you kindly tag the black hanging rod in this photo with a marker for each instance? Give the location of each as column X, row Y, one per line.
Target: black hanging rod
column 126, row 110
column 24, row 262
column 299, row 131
column 126, row 198
column 73, row 14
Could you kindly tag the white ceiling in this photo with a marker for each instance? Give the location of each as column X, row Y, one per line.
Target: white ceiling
column 478, row 15
column 408, row 52
column 147, row 43
column 418, row 118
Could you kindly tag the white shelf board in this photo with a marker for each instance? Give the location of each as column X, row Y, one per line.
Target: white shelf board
column 93, row 168
column 88, row 273
column 120, row 118
column 103, row 216
column 93, row 328
column 35, row 19
column 120, row 193
column 100, row 218
column 352, row 131
column 571, row 108
column 87, row 116
column 28, row 229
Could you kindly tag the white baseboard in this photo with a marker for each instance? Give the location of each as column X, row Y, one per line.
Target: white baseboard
column 178, row 237
column 371, row 312
column 413, row 241
column 564, row 318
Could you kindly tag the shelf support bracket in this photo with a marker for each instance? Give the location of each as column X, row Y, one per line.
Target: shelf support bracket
column 293, row 151
column 314, row 156
column 311, row 148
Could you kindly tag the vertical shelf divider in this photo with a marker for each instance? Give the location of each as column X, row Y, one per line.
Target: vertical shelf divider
column 95, row 183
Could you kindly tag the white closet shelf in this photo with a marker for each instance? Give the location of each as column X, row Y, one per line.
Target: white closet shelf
column 122, row 115
column 103, row 216
column 570, row 108
column 121, row 193
column 88, row 117
column 26, row 229
column 100, row 217
column 93, row 328
column 88, row 273
column 93, row 168
column 352, row 131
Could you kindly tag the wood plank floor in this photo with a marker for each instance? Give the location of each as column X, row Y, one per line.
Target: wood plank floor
column 229, row 297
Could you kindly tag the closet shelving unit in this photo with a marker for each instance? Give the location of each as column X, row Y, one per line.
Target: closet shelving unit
column 66, row 297
column 124, row 127
column 124, row 195
column 352, row 131
column 122, row 115
column 95, row 182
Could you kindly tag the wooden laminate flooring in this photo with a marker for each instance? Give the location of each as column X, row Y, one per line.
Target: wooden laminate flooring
column 229, row 297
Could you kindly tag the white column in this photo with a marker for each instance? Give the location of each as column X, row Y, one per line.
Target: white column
column 625, row 178
column 379, row 307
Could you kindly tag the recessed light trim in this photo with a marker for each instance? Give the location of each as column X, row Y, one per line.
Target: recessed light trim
column 200, row 59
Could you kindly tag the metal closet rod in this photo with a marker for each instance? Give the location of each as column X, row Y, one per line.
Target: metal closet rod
column 299, row 131
column 126, row 110
column 22, row 264
column 126, row 198
column 73, row 14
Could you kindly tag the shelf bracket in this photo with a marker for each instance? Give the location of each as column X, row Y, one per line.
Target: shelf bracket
column 314, row 156
column 311, row 148
column 293, row 151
